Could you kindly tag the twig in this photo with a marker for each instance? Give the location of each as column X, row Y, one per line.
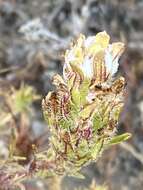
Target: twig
column 132, row 150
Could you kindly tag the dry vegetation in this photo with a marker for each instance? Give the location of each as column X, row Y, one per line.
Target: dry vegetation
column 26, row 68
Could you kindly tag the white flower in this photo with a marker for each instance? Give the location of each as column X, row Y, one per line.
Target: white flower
column 89, row 41
column 93, row 57
column 112, row 55
column 111, row 63
column 87, row 67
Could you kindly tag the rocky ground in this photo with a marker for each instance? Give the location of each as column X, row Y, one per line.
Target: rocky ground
column 35, row 62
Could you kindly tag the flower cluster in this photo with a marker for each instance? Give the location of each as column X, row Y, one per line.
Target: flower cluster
column 83, row 112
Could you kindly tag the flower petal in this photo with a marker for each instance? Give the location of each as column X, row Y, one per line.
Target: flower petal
column 103, row 39
column 112, row 55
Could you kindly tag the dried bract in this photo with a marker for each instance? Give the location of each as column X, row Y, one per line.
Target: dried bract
column 83, row 112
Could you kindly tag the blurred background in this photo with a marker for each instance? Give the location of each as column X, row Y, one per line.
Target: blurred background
column 34, row 61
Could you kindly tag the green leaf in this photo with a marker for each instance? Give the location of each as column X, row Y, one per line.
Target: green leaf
column 83, row 148
column 97, row 149
column 84, row 91
column 44, row 174
column 77, row 175
column 24, row 97
column 97, row 122
column 119, row 138
column 76, row 97
column 87, row 111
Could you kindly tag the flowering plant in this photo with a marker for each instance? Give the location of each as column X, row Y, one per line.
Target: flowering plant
column 83, row 112
column 82, row 115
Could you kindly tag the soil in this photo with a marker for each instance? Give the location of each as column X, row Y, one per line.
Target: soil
column 35, row 62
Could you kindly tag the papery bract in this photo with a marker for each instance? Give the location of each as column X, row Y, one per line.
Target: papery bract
column 84, row 110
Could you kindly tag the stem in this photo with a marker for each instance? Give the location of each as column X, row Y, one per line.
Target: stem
column 55, row 183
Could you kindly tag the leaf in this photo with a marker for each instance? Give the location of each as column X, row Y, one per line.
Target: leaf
column 119, row 138
column 44, row 174
column 24, row 97
column 97, row 149
column 88, row 110
column 83, row 148
column 77, row 175
column 97, row 122
column 84, row 91
column 76, row 97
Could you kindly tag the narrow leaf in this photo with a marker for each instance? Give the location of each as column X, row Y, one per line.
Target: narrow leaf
column 77, row 175
column 120, row 138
